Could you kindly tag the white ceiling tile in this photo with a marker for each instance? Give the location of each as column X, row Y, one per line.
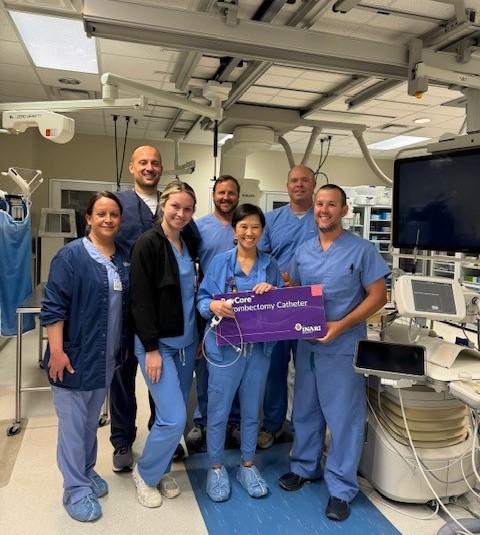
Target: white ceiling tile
column 15, row 91
column 133, row 68
column 88, row 82
column 132, row 50
column 19, row 73
column 252, row 98
column 312, row 85
column 322, row 76
column 385, row 107
column 274, row 81
column 287, row 72
column 289, row 101
column 7, row 31
column 13, row 54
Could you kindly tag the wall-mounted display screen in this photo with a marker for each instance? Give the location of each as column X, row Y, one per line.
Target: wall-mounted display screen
column 435, row 202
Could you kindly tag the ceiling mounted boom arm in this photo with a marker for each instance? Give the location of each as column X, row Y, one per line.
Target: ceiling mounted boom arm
column 112, row 82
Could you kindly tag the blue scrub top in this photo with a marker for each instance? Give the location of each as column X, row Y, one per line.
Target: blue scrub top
column 244, row 282
column 114, row 325
column 284, row 232
column 344, row 270
column 186, row 268
column 216, row 237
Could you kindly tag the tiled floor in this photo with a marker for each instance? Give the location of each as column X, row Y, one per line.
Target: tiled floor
column 31, row 502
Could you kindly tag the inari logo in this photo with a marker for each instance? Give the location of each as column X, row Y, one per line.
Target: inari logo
column 298, row 327
column 311, row 329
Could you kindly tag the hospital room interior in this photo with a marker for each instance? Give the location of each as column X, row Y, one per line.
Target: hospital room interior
column 379, row 97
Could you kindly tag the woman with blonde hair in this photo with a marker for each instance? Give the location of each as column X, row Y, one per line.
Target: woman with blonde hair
column 164, row 275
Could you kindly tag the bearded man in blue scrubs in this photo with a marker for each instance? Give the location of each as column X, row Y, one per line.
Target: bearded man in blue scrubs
column 327, row 390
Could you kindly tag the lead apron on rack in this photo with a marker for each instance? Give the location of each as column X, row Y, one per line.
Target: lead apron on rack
column 15, row 272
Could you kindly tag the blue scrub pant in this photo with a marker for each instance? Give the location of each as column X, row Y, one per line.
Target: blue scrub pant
column 201, row 383
column 328, row 393
column 170, row 395
column 276, row 393
column 248, row 375
column 78, row 413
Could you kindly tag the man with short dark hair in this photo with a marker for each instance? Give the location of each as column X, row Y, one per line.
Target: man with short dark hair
column 328, row 392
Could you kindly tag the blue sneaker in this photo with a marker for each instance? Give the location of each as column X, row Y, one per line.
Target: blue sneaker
column 251, row 480
column 85, row 510
column 99, row 486
column 218, row 484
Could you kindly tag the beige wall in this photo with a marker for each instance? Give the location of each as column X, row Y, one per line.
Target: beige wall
column 271, row 168
column 89, row 157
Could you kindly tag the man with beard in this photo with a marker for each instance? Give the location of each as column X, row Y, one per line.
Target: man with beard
column 217, row 236
column 328, row 392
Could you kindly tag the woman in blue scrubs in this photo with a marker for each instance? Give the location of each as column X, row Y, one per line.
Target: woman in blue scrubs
column 164, row 276
column 230, row 368
column 85, row 311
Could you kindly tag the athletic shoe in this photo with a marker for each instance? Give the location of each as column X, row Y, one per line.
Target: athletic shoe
column 251, row 480
column 147, row 495
column 292, row 481
column 266, row 438
column 196, row 437
column 123, row 459
column 169, row 486
column 179, row 454
column 85, row 510
column 337, row 509
column 218, row 484
column 99, row 486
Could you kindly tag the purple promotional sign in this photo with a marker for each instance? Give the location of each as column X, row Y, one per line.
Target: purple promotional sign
column 280, row 314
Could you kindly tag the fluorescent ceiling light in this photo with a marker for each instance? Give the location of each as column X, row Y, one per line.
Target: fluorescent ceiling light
column 396, row 142
column 57, row 43
column 224, row 139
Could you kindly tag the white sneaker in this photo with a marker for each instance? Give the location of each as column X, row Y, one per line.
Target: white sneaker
column 147, row 495
column 169, row 486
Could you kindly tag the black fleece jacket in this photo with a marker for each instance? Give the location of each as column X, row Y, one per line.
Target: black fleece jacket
column 155, row 295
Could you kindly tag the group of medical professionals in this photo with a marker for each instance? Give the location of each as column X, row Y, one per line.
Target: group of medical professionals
column 139, row 289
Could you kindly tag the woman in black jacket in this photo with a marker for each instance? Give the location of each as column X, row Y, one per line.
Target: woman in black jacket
column 164, row 280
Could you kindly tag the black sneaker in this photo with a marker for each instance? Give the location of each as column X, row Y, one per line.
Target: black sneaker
column 123, row 459
column 196, row 437
column 292, row 481
column 179, row 454
column 337, row 509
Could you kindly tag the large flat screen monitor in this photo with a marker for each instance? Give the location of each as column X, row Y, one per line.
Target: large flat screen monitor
column 436, row 202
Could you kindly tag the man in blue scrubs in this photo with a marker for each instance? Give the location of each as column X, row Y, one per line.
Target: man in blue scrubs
column 287, row 227
column 327, row 390
column 217, row 236
column 140, row 206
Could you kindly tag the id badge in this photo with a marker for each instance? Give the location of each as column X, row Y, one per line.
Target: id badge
column 117, row 285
